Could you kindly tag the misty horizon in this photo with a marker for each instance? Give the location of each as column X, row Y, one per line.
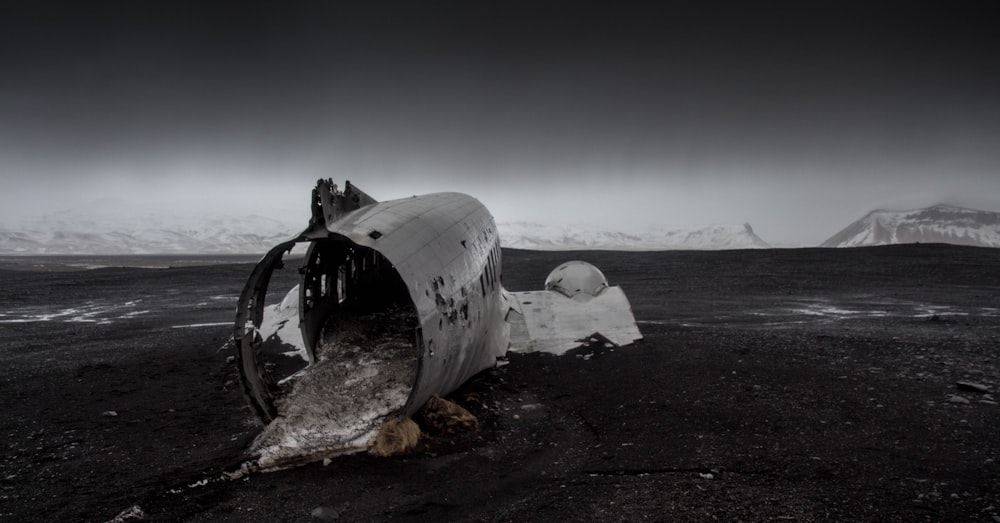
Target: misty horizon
column 191, row 214
column 797, row 121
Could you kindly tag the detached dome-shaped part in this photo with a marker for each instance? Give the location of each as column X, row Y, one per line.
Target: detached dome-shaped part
column 576, row 277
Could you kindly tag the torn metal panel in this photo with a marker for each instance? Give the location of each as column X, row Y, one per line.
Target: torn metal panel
column 549, row 321
column 329, row 203
column 576, row 308
column 259, row 387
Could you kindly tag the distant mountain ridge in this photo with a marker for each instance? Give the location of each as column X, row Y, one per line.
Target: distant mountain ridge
column 109, row 232
column 937, row 224
column 114, row 229
column 120, row 228
column 534, row 236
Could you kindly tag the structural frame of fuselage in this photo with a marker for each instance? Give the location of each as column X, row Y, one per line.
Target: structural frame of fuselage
column 444, row 247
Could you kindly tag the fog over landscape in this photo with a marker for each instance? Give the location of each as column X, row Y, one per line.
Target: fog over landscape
column 729, row 261
column 795, row 120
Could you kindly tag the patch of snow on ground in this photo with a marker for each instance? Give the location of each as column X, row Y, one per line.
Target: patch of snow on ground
column 198, row 325
column 806, row 310
column 281, row 321
column 817, row 309
column 90, row 312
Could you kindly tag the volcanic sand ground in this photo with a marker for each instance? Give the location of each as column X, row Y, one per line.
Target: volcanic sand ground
column 771, row 385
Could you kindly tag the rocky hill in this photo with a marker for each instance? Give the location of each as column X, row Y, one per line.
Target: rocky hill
column 121, row 228
column 937, row 224
column 534, row 236
column 144, row 233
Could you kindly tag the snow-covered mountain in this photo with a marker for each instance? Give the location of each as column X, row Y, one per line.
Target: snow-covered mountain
column 114, row 226
column 119, row 230
column 533, row 236
column 937, row 224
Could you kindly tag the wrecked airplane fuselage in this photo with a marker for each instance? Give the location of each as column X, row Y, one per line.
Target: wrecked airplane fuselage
column 402, row 301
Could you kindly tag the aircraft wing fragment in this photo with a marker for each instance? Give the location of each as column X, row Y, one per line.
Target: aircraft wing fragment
column 576, row 306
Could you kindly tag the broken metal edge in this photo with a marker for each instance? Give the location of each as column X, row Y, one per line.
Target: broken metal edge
column 256, row 383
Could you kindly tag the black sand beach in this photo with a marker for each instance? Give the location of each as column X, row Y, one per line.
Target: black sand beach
column 798, row 385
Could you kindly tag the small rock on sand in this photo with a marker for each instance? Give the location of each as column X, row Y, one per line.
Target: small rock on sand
column 325, row 514
column 954, row 398
column 972, row 387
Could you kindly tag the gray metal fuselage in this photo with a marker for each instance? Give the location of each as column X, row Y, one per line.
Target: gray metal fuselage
column 446, row 250
column 434, row 259
column 443, row 248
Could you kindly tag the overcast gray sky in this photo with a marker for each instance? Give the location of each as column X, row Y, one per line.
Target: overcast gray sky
column 795, row 118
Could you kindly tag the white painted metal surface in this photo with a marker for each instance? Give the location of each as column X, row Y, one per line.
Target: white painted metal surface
column 549, row 321
column 574, row 277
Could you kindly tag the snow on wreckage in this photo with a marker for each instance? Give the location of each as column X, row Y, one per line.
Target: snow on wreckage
column 401, row 301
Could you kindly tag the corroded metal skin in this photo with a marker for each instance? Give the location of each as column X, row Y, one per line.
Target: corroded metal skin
column 446, row 250
column 442, row 248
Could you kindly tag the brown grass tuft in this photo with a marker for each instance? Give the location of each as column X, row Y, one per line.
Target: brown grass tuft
column 395, row 437
column 440, row 416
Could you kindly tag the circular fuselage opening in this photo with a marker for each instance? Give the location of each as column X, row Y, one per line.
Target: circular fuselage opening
column 362, row 329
